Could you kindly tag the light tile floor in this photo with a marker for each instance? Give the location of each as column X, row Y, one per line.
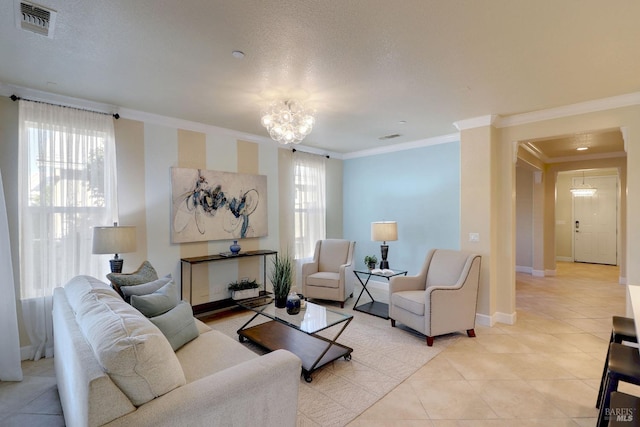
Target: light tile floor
column 543, row 371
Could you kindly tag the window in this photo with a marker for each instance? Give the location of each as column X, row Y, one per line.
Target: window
column 67, row 179
column 67, row 186
column 310, row 205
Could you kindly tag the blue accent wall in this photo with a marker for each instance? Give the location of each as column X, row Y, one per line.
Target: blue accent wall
column 418, row 188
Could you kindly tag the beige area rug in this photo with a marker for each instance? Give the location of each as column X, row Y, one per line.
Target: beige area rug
column 382, row 358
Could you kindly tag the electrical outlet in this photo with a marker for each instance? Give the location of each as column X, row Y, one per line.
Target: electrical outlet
column 474, row 237
column 244, row 280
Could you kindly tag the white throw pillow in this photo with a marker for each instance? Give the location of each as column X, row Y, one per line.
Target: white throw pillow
column 132, row 350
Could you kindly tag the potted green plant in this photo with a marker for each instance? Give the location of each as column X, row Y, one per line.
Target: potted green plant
column 370, row 261
column 244, row 289
column 281, row 278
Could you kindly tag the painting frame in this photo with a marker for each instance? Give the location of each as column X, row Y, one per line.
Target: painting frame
column 208, row 205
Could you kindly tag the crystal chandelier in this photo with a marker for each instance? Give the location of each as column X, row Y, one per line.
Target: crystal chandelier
column 287, row 121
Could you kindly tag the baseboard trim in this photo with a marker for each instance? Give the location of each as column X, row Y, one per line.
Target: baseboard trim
column 377, row 284
column 537, row 273
column 523, row 269
column 486, row 320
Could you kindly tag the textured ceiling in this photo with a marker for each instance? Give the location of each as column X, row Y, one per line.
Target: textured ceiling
column 364, row 65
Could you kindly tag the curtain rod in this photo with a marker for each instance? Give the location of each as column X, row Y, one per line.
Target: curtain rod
column 17, row 98
column 306, row 152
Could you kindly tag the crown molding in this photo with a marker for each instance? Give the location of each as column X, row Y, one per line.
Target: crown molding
column 444, row 139
column 570, row 110
column 586, row 157
column 476, row 122
column 189, row 125
column 54, row 98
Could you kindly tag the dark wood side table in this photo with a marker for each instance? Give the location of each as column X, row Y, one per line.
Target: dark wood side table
column 186, row 270
column 375, row 308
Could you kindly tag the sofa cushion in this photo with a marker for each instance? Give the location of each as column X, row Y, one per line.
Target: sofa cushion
column 130, row 348
column 76, row 288
column 144, row 288
column 144, row 274
column 324, row 279
column 158, row 302
column 178, row 325
column 212, row 352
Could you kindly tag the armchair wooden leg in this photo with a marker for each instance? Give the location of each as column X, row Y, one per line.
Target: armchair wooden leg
column 393, row 323
column 430, row 341
column 471, row 333
column 342, row 304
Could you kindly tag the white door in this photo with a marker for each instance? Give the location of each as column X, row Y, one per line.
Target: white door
column 595, row 221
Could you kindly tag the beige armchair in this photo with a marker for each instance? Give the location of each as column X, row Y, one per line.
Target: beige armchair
column 330, row 275
column 442, row 298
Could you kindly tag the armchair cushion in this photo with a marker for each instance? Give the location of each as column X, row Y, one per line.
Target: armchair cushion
column 324, row 279
column 412, row 301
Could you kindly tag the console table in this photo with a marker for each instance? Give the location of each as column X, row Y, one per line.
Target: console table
column 186, row 268
column 376, row 308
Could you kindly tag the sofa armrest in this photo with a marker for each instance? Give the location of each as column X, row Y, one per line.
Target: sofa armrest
column 262, row 390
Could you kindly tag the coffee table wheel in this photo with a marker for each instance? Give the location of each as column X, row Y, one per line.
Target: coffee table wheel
column 347, row 356
column 307, row 378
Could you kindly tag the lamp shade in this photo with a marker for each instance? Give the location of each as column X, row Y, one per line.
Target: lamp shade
column 114, row 240
column 384, row 231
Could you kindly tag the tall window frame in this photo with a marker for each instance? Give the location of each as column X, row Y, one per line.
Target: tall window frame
column 309, row 203
column 67, row 185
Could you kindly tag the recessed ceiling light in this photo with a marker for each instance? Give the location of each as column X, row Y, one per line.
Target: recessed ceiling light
column 582, row 148
column 238, row 54
column 402, row 122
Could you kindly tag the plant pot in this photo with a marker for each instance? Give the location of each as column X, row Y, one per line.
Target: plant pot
column 281, row 302
column 245, row 293
column 372, row 265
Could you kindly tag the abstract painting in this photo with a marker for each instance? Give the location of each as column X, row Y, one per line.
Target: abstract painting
column 212, row 205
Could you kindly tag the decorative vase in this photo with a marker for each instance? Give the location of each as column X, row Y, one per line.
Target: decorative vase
column 293, row 303
column 235, row 248
column 281, row 302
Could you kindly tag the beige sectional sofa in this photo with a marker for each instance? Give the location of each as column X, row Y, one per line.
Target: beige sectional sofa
column 115, row 367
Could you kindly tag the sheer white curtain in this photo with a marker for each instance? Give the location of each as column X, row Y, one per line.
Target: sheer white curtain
column 67, row 184
column 10, row 369
column 309, row 205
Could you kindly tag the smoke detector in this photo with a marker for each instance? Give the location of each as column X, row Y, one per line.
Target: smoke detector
column 35, row 18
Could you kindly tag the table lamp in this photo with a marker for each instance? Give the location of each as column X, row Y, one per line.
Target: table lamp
column 384, row 231
column 114, row 240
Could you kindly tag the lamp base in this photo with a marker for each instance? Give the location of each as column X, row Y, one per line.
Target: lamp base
column 384, row 250
column 116, row 265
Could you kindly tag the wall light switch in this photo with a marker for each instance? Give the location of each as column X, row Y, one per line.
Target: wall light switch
column 474, row 237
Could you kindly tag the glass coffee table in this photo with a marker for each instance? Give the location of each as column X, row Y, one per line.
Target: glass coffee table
column 299, row 333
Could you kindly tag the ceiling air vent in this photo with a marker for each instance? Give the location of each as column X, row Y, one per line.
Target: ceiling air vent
column 35, row 18
column 393, row 135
